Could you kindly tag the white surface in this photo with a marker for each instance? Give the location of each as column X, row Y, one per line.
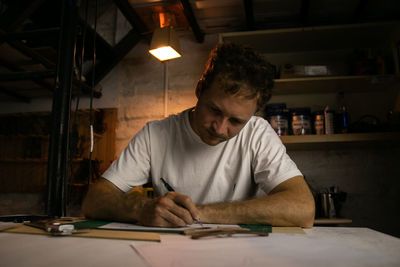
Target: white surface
column 7, row 225
column 322, row 246
column 20, row 250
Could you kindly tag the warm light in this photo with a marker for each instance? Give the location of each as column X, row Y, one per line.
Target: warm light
column 165, row 44
column 165, row 53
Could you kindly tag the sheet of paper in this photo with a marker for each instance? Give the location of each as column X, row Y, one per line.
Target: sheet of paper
column 8, row 225
column 343, row 249
column 134, row 227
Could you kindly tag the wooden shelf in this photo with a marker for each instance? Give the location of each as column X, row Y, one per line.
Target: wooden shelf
column 317, row 38
column 334, row 84
column 282, row 43
column 302, row 141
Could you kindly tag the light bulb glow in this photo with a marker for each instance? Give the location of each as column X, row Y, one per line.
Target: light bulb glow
column 164, row 53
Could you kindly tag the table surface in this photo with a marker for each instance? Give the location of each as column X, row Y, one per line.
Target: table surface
column 327, row 246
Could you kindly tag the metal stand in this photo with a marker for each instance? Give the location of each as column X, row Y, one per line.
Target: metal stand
column 58, row 149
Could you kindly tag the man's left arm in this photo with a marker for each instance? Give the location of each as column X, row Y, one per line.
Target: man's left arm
column 288, row 204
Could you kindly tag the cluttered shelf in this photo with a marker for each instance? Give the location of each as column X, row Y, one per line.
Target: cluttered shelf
column 334, row 84
column 298, row 141
column 339, row 138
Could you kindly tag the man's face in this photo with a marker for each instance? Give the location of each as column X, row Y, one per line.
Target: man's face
column 219, row 116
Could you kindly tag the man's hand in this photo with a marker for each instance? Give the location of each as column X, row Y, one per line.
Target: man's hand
column 170, row 210
column 105, row 201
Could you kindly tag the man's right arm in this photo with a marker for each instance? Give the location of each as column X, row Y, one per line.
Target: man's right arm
column 105, row 201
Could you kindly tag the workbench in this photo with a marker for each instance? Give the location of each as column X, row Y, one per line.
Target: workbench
column 320, row 246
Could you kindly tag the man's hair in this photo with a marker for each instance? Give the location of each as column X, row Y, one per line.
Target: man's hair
column 240, row 70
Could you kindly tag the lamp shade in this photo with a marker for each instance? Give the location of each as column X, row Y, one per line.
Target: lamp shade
column 165, row 44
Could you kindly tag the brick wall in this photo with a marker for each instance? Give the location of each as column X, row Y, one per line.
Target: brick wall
column 141, row 85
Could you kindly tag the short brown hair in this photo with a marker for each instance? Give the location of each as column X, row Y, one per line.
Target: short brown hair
column 239, row 67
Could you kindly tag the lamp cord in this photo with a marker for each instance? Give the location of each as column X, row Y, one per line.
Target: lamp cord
column 165, row 63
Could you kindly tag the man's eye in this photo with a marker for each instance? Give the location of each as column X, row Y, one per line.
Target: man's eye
column 215, row 110
column 235, row 121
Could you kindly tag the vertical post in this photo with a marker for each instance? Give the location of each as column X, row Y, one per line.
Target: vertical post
column 165, row 88
column 58, row 150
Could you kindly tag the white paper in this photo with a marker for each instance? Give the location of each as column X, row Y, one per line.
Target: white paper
column 8, row 225
column 332, row 249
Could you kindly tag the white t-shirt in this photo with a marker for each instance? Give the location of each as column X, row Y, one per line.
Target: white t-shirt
column 234, row 170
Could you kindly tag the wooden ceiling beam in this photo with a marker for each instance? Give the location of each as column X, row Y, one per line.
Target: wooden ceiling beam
column 131, row 15
column 12, row 67
column 15, row 95
column 16, row 15
column 6, row 36
column 30, row 52
column 111, row 60
column 26, row 75
column 102, row 46
column 188, row 11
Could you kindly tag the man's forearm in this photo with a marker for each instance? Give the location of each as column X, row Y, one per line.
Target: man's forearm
column 294, row 207
column 106, row 202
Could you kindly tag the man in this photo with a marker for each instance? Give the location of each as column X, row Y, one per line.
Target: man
column 225, row 165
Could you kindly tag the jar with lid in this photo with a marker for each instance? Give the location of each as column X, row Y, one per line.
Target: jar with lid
column 301, row 123
column 279, row 122
column 277, row 115
column 319, row 122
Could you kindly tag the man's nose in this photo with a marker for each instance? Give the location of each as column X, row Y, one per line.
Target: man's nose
column 221, row 126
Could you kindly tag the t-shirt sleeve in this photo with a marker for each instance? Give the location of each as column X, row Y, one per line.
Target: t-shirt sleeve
column 132, row 168
column 271, row 164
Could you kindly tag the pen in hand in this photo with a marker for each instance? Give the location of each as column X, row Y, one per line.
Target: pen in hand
column 170, row 189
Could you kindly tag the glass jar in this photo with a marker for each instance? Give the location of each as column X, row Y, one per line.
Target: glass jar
column 279, row 122
column 301, row 123
column 319, row 122
column 278, row 117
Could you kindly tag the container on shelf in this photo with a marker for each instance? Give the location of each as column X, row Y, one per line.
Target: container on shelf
column 278, row 117
column 301, row 121
column 329, row 115
column 318, row 119
column 343, row 117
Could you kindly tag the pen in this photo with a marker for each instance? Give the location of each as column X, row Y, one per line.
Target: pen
column 170, row 189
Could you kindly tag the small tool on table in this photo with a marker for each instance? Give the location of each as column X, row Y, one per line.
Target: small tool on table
column 54, row 227
column 170, row 189
column 221, row 231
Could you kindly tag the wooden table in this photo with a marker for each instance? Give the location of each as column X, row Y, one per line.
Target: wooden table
column 320, row 246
